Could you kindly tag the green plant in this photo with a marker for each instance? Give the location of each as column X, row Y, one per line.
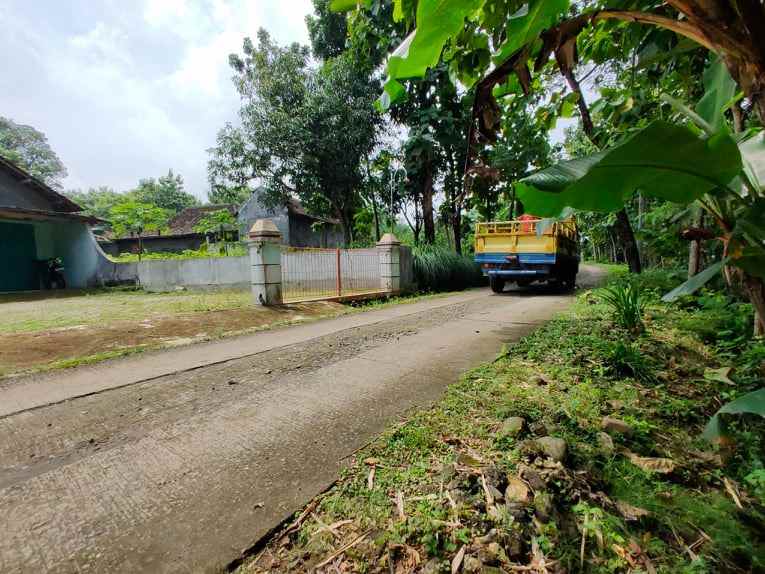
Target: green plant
column 440, row 269
column 627, row 303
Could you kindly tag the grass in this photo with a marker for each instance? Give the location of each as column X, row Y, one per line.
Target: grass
column 441, row 269
column 25, row 313
column 597, row 512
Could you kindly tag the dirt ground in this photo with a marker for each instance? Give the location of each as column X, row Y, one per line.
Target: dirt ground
column 39, row 333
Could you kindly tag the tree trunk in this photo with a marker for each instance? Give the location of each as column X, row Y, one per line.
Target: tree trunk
column 427, row 205
column 626, row 237
column 377, row 216
column 694, row 250
column 457, row 226
column 623, row 226
column 756, row 290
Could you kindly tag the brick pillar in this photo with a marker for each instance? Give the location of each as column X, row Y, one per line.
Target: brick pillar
column 390, row 267
column 266, row 263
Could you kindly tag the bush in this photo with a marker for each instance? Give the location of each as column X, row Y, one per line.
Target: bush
column 440, row 269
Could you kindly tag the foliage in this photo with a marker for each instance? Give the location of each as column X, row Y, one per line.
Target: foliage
column 204, row 252
column 328, row 31
column 97, row 201
column 230, row 168
column 304, row 131
column 215, row 221
column 29, row 149
column 132, row 217
column 166, row 192
column 627, row 303
column 750, row 403
column 440, row 269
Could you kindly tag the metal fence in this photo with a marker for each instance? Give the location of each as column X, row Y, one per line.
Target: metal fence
column 309, row 273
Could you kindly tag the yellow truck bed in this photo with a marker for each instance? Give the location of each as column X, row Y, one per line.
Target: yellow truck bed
column 527, row 251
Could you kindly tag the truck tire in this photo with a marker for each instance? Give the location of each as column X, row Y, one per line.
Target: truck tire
column 497, row 284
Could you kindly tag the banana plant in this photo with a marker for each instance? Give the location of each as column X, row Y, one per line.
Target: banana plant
column 697, row 159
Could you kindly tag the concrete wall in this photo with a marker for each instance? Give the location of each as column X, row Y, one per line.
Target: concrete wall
column 209, row 273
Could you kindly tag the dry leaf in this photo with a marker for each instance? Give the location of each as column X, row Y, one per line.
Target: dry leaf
column 457, row 560
column 652, row 464
column 721, row 375
column 630, row 512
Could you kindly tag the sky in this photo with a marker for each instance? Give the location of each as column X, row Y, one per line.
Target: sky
column 127, row 89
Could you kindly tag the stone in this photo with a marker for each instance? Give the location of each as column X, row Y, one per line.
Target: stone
column 553, row 447
column 512, row 426
column 534, row 478
column 490, row 553
column 612, row 425
column 605, row 443
column 432, row 566
column 543, row 506
column 488, row 538
column 471, row 564
column 516, row 490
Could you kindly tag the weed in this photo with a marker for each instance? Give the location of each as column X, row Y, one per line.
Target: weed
column 440, row 269
column 627, row 304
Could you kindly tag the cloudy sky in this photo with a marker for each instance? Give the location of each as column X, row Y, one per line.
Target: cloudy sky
column 126, row 89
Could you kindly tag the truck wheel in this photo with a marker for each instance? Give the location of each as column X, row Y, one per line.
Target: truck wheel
column 497, row 284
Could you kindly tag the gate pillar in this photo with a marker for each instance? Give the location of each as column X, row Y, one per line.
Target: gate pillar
column 265, row 263
column 390, row 266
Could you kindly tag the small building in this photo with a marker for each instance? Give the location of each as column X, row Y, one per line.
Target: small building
column 297, row 226
column 36, row 224
column 179, row 235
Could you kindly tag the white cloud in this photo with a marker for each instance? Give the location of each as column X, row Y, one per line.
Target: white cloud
column 140, row 88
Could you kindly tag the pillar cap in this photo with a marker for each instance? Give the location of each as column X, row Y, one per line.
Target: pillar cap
column 264, row 229
column 388, row 240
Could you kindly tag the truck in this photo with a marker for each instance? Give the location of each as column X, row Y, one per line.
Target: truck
column 528, row 250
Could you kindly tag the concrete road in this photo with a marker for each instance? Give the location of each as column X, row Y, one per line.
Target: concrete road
column 188, row 462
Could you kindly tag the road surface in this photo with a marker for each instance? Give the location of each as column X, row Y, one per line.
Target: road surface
column 180, row 461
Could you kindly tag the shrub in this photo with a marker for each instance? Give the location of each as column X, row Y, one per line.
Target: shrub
column 440, row 269
column 627, row 303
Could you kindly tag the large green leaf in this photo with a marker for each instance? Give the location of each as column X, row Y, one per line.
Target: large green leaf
column 719, row 89
column 526, row 25
column 694, row 283
column 663, row 160
column 753, row 403
column 437, row 21
column 346, row 5
column 753, row 153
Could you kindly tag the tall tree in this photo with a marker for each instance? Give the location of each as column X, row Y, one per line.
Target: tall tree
column 328, row 31
column 231, row 168
column 305, row 131
column 166, row 192
column 29, row 149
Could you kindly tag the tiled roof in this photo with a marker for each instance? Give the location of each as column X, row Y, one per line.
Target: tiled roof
column 185, row 221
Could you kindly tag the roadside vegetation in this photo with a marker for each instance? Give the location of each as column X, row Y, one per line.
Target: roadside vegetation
column 578, row 449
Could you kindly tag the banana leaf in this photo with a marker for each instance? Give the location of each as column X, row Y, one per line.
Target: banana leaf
column 753, row 403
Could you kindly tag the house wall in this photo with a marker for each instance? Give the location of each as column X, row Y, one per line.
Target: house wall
column 303, row 233
column 253, row 209
column 72, row 241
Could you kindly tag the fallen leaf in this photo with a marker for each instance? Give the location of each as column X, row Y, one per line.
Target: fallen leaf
column 457, row 560
column 652, row 464
column 629, row 512
column 720, row 375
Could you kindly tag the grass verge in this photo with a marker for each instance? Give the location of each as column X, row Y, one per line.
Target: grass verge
column 578, row 449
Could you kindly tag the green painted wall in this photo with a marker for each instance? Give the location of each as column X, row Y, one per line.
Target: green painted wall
column 18, row 255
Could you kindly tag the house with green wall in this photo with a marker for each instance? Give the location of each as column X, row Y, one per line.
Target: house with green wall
column 38, row 223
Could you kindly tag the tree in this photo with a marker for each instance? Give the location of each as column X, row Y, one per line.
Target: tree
column 220, row 223
column 132, row 217
column 29, row 149
column 165, row 192
column 231, row 168
column 304, row 131
column 328, row 31
column 97, row 201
